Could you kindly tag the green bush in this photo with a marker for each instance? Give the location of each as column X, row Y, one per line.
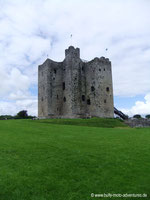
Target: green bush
column 147, row 116
column 6, row 117
column 137, row 116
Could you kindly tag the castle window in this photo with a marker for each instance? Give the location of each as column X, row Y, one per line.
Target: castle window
column 99, row 69
column 42, row 99
column 53, row 78
column 88, row 102
column 63, row 85
column 92, row 88
column 57, row 109
column 83, row 97
column 64, row 99
column 57, row 96
column 104, row 69
column 82, row 68
column 104, row 100
column 107, row 89
column 55, row 71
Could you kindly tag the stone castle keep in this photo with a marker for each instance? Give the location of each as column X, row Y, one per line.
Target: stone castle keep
column 74, row 88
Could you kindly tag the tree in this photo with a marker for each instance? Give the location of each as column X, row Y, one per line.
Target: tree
column 22, row 114
column 147, row 116
column 6, row 117
column 137, row 116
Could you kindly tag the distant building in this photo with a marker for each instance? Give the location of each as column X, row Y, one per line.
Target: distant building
column 75, row 88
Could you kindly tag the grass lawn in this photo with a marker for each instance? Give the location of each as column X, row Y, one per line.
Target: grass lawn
column 70, row 159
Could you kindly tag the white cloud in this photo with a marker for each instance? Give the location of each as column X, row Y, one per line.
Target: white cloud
column 13, row 81
column 7, row 108
column 32, row 30
column 140, row 107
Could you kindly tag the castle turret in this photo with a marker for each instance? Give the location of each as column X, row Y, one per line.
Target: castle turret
column 71, row 78
column 72, row 52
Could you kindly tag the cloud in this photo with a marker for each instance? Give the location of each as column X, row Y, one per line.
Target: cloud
column 13, row 81
column 31, row 31
column 13, row 107
column 140, row 107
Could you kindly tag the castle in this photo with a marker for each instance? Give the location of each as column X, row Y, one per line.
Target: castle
column 75, row 88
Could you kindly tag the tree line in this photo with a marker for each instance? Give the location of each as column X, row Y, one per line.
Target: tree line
column 137, row 116
column 23, row 114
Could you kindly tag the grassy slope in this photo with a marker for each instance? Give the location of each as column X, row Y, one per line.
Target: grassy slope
column 93, row 122
column 45, row 161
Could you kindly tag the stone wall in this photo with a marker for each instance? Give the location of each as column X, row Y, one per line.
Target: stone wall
column 138, row 122
column 75, row 89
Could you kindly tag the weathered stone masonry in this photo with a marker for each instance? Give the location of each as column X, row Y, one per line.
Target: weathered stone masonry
column 75, row 89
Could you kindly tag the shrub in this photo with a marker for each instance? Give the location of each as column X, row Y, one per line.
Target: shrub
column 137, row 116
column 147, row 116
column 6, row 117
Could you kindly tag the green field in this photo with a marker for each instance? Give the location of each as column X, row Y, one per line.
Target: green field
column 70, row 159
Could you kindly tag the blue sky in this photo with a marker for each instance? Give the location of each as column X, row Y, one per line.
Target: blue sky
column 31, row 31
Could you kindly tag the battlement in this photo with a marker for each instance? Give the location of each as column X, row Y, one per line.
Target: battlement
column 101, row 60
column 106, row 60
column 72, row 52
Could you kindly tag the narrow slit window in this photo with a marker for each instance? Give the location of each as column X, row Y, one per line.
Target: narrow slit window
column 64, row 99
column 107, row 89
column 63, row 85
column 88, row 102
column 83, row 97
column 92, row 88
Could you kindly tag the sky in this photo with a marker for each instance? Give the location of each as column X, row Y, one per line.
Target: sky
column 32, row 30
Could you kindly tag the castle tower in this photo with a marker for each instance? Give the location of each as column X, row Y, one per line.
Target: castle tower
column 75, row 89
